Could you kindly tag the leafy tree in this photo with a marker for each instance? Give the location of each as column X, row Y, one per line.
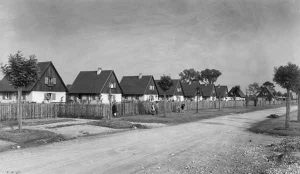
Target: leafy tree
column 165, row 83
column 253, row 88
column 279, row 94
column 268, row 84
column 210, row 76
column 287, row 77
column 271, row 86
column 234, row 91
column 190, row 75
column 21, row 73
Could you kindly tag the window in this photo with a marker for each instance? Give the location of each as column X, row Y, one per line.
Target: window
column 6, row 96
column 178, row 89
column 50, row 81
column 113, row 85
column 151, row 87
column 49, row 96
column 151, row 98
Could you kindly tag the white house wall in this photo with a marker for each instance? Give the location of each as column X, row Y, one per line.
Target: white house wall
column 148, row 98
column 39, row 96
column 35, row 96
column 105, row 98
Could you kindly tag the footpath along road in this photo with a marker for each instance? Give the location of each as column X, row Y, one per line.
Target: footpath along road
column 217, row 145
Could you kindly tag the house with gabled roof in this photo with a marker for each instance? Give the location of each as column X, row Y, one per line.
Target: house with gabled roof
column 48, row 88
column 101, row 86
column 190, row 90
column 221, row 92
column 265, row 94
column 236, row 94
column 141, row 87
column 208, row 92
column 175, row 93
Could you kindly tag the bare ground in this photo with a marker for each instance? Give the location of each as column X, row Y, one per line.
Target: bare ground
column 217, row 145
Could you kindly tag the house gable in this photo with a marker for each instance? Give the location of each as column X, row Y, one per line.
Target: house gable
column 151, row 88
column 49, row 80
column 113, row 81
column 178, row 88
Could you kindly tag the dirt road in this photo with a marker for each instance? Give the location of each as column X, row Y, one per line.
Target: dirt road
column 218, row 145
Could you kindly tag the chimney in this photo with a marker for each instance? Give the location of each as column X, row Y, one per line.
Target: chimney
column 140, row 75
column 99, row 71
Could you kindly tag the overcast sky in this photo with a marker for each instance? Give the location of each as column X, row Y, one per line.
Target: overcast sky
column 244, row 39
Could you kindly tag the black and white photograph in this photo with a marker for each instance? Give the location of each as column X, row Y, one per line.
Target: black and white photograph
column 149, row 87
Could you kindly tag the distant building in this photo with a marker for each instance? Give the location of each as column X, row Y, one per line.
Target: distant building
column 175, row 93
column 208, row 92
column 48, row 88
column 221, row 92
column 236, row 94
column 142, row 88
column 190, row 91
column 265, row 94
column 96, row 87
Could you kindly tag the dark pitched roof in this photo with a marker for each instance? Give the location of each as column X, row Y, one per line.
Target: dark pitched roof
column 207, row 90
column 265, row 92
column 236, row 93
column 190, row 90
column 171, row 91
column 133, row 85
column 221, row 91
column 69, row 86
column 88, row 82
column 42, row 66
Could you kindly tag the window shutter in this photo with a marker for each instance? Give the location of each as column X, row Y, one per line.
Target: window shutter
column 3, row 96
column 53, row 96
column 45, row 96
column 9, row 96
column 54, row 81
column 46, row 80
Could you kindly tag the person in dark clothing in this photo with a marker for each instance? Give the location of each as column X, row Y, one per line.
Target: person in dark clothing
column 114, row 110
column 182, row 107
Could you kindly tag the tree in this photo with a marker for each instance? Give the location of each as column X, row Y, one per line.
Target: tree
column 165, row 83
column 279, row 94
column 234, row 92
column 296, row 89
column 271, row 86
column 189, row 75
column 287, row 77
column 21, row 73
column 253, row 88
column 210, row 76
column 268, row 84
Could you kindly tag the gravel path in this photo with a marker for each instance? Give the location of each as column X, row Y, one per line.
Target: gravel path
column 218, row 145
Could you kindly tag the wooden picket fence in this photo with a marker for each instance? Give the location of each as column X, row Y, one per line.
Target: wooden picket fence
column 8, row 111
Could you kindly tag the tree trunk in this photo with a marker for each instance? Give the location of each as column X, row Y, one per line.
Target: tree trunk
column 165, row 107
column 19, row 114
column 197, row 103
column 298, row 117
column 219, row 103
column 287, row 120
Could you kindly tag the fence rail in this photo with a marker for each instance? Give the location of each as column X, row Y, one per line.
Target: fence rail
column 8, row 111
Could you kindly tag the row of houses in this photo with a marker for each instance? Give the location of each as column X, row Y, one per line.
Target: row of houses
column 102, row 85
